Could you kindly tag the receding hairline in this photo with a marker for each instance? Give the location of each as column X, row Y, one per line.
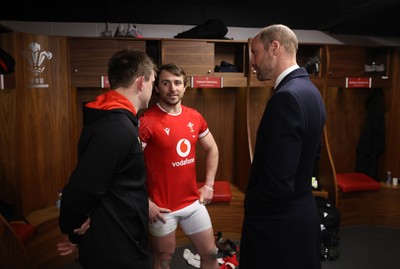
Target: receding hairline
column 282, row 33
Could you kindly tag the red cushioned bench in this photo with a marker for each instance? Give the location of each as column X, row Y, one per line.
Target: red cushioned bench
column 361, row 200
column 222, row 191
column 351, row 182
column 24, row 231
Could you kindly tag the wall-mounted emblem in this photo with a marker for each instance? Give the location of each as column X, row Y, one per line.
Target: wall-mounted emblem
column 36, row 58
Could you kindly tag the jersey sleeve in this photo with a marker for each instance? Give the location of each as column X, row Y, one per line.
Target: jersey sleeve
column 144, row 132
column 203, row 126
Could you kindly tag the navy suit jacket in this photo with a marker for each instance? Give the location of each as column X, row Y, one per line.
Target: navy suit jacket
column 280, row 213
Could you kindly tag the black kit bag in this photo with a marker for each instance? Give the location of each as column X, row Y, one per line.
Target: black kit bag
column 7, row 62
column 330, row 224
column 210, row 29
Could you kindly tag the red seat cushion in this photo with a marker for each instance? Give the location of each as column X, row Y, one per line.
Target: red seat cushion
column 349, row 182
column 24, row 231
column 222, row 191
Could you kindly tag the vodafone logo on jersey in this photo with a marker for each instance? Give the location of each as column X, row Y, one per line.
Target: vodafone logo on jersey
column 183, row 149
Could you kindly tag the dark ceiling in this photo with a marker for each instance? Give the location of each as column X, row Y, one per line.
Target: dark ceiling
column 356, row 17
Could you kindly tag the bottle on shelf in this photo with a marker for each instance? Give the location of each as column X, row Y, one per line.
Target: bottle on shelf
column 388, row 177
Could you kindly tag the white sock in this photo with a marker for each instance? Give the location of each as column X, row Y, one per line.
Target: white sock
column 191, row 259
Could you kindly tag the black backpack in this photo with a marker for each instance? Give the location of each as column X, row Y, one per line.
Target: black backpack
column 210, row 29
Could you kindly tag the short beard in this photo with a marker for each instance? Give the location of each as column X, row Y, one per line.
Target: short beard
column 169, row 102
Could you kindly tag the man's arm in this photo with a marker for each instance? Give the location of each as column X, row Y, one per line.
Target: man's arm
column 212, row 156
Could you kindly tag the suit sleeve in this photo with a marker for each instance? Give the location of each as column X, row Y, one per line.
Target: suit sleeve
column 281, row 132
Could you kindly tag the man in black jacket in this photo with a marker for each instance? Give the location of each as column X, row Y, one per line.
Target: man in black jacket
column 108, row 183
column 281, row 228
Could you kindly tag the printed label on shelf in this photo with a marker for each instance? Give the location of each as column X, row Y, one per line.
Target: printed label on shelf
column 207, row 82
column 358, row 82
column 104, row 82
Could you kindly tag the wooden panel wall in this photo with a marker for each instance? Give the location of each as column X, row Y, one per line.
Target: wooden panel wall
column 346, row 112
column 89, row 57
column 258, row 98
column 251, row 104
column 38, row 152
column 218, row 108
column 195, row 57
column 346, row 115
column 43, row 124
column 391, row 159
column 9, row 185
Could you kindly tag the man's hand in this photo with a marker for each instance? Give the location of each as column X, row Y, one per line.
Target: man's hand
column 65, row 247
column 84, row 227
column 155, row 212
column 206, row 195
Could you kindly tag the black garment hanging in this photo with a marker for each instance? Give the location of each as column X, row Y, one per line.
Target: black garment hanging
column 372, row 139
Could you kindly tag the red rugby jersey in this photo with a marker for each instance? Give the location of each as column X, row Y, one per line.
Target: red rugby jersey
column 170, row 155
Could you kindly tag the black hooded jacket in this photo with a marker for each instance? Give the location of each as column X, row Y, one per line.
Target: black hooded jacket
column 108, row 185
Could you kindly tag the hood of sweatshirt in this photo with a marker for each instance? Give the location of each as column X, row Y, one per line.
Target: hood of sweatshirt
column 106, row 103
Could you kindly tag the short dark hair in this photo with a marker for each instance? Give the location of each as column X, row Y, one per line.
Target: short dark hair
column 128, row 64
column 173, row 69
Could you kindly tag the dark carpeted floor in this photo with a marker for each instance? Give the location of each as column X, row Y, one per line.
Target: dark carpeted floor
column 367, row 248
column 360, row 247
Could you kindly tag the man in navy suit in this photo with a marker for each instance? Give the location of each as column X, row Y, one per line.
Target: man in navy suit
column 281, row 228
